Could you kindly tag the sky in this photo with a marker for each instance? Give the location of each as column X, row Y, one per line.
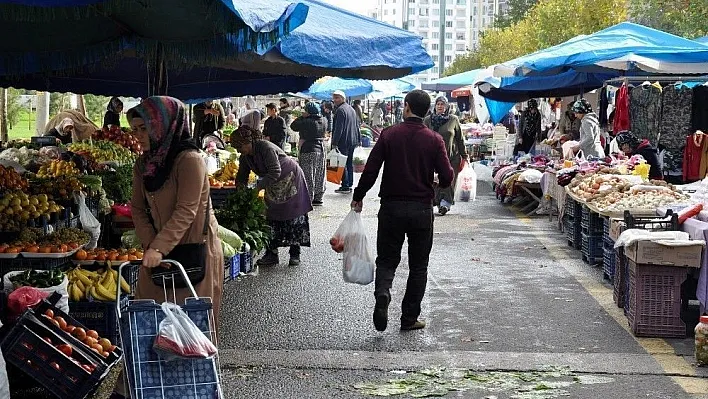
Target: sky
column 358, row 6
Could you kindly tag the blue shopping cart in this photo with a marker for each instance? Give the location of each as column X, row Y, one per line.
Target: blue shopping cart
column 149, row 376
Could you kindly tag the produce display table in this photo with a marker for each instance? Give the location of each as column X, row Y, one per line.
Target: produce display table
column 550, row 188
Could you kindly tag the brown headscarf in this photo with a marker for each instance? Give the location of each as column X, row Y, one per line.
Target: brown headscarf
column 244, row 135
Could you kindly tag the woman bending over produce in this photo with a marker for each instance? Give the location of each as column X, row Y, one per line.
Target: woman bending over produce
column 286, row 194
column 631, row 145
column 170, row 181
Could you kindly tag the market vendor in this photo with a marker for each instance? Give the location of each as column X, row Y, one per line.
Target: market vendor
column 629, row 144
column 83, row 128
column 286, row 195
column 590, row 143
column 113, row 110
column 63, row 131
column 569, row 125
column 208, row 118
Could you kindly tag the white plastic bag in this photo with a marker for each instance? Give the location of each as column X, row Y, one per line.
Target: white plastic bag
column 466, row 186
column 62, row 289
column 89, row 223
column 180, row 338
column 4, row 381
column 336, row 159
column 358, row 265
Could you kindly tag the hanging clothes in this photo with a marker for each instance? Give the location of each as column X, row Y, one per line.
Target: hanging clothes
column 695, row 159
column 700, row 108
column 645, row 112
column 675, row 126
column 621, row 121
column 602, row 107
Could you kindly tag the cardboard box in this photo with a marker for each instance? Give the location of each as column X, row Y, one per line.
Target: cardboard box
column 617, row 226
column 651, row 253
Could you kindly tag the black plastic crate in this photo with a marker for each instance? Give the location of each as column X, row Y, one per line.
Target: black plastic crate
column 219, row 196
column 573, row 234
column 21, row 263
column 668, row 222
column 608, row 264
column 572, row 208
column 99, row 316
column 591, row 248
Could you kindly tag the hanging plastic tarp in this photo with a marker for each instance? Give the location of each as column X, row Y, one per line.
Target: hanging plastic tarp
column 452, row 82
column 62, row 35
column 498, row 109
column 703, row 40
column 390, row 88
column 518, row 89
column 623, row 48
column 323, row 88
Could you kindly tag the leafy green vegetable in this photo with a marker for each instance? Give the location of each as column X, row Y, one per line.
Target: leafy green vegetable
column 244, row 214
column 118, row 183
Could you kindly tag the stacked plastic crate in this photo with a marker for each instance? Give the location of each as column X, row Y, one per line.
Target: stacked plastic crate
column 609, row 256
column 571, row 222
column 591, row 246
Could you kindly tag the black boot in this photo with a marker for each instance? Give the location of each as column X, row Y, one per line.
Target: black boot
column 269, row 259
column 294, row 255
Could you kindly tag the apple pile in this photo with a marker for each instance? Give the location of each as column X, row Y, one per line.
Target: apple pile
column 118, row 136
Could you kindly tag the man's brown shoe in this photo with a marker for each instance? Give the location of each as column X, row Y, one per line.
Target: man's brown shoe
column 418, row 325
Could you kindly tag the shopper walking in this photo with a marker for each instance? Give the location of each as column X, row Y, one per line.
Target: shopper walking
column 274, row 128
column 286, row 195
column 311, row 126
column 346, row 136
column 170, row 198
column 376, row 117
column 529, row 128
column 359, row 111
column 410, row 154
column 448, row 127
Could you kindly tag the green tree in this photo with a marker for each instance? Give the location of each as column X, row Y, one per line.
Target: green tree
column 464, row 63
column 686, row 18
column 57, row 103
column 14, row 108
column 95, row 107
column 517, row 10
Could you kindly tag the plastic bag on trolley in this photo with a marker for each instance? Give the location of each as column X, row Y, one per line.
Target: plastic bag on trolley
column 89, row 222
column 180, row 338
column 350, row 238
column 466, row 187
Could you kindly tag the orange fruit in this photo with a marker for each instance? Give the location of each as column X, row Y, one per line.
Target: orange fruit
column 91, row 257
column 81, row 255
column 45, row 250
column 112, row 256
column 93, row 334
column 123, row 258
column 80, row 333
column 61, row 321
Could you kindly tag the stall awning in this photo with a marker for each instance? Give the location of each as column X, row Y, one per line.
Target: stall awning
column 452, row 82
column 462, row 92
column 703, row 40
column 623, row 48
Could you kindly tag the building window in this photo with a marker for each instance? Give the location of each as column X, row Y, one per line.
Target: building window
column 474, row 23
column 411, row 1
column 436, row 58
column 460, row 47
column 474, row 10
column 461, row 24
column 411, row 11
column 448, row 13
column 436, row 35
column 448, row 47
column 411, row 24
column 448, row 58
column 448, row 24
column 385, row 12
column 436, row 24
column 448, row 35
column 460, row 36
column 424, row 24
column 434, row 46
column 423, row 12
column 394, row 11
column 461, row 2
column 424, row 2
column 436, row 70
column 461, row 13
column 436, row 1
column 436, row 11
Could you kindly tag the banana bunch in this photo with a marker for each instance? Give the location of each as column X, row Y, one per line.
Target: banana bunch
column 227, row 172
column 98, row 285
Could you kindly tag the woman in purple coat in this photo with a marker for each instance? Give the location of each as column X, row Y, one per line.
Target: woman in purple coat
column 286, row 196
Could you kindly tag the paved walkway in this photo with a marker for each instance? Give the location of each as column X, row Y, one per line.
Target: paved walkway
column 511, row 312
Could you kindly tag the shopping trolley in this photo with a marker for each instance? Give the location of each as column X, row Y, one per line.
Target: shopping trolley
column 149, row 376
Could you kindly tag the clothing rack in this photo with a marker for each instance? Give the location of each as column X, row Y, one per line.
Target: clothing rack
column 658, row 78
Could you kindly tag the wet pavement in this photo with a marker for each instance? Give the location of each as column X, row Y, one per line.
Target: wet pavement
column 505, row 296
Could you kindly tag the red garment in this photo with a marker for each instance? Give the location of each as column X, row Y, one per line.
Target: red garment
column 621, row 121
column 692, row 155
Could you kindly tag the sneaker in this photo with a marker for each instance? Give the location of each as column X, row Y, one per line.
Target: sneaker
column 294, row 261
column 381, row 312
column 418, row 325
column 343, row 190
column 269, row 259
column 442, row 210
column 317, row 203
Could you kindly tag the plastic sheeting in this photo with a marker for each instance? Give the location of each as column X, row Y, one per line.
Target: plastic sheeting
column 626, row 47
column 323, row 88
column 703, row 40
column 452, row 82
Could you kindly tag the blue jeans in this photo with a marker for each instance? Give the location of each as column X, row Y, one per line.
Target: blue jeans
column 348, row 179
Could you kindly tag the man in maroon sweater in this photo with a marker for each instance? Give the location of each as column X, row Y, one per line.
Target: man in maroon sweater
column 412, row 154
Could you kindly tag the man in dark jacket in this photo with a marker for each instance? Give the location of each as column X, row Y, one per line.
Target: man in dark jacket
column 328, row 113
column 208, row 117
column 274, row 128
column 412, row 154
column 631, row 145
column 346, row 136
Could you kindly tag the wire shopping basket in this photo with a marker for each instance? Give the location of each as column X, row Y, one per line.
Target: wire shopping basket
column 149, row 376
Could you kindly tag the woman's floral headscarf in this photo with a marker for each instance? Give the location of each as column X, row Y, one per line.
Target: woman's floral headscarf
column 165, row 118
column 438, row 120
column 245, row 135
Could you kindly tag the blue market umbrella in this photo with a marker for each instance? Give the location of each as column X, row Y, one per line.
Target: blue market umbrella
column 625, row 48
column 324, row 87
column 58, row 37
column 703, row 40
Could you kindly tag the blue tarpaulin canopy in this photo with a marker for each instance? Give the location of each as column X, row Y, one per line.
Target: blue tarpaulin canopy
column 703, row 40
column 49, row 36
column 323, row 88
column 623, row 48
column 452, row 82
column 519, row 89
column 129, row 76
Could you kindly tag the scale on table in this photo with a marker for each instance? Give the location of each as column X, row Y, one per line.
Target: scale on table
column 44, row 141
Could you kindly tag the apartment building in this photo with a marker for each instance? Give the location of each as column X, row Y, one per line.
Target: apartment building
column 484, row 12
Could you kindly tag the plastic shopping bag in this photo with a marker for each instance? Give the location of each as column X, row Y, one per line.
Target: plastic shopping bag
column 358, row 264
column 89, row 222
column 336, row 162
column 466, row 187
column 180, row 338
column 4, row 381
